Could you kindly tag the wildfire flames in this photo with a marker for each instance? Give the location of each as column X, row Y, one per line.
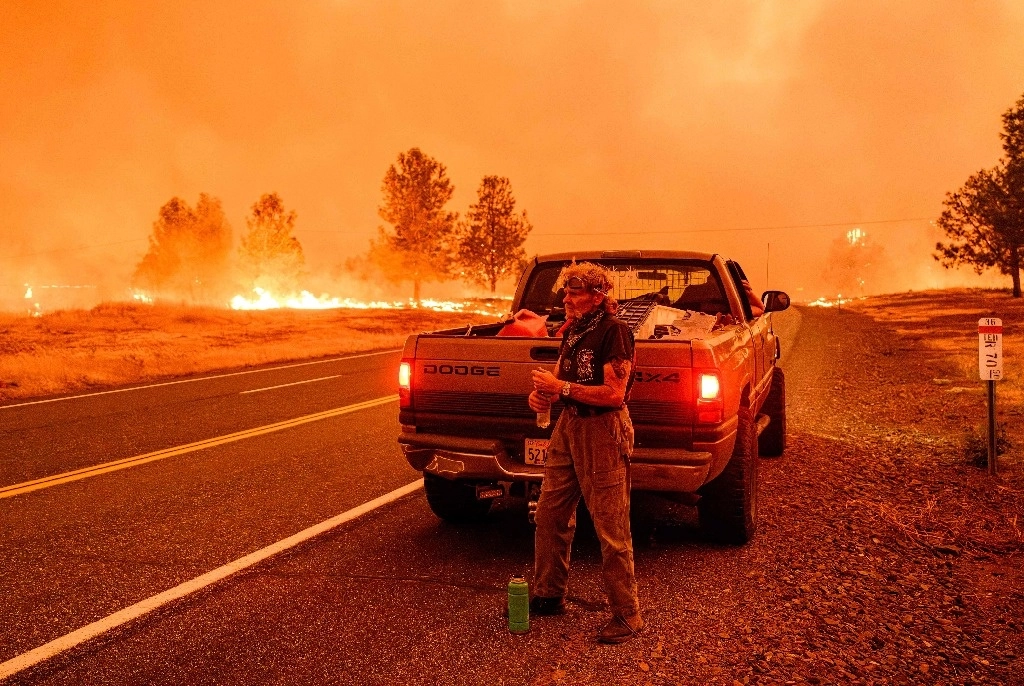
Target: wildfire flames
column 305, row 300
column 34, row 310
column 56, row 296
column 66, row 297
column 142, row 297
column 839, row 301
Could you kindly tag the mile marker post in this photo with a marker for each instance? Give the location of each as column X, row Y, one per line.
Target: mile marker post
column 990, row 367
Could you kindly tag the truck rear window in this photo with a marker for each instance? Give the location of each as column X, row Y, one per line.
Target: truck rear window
column 688, row 286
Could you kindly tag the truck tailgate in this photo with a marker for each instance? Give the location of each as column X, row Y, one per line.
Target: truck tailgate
column 485, row 376
column 472, row 378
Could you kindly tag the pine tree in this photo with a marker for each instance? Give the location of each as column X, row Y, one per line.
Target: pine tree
column 985, row 218
column 416, row 190
column 491, row 239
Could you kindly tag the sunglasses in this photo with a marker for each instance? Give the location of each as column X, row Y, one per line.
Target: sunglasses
column 576, row 285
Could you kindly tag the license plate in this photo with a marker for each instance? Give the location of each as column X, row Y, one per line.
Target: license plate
column 536, row 451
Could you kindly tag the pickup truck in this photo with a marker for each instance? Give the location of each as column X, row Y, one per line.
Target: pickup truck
column 707, row 395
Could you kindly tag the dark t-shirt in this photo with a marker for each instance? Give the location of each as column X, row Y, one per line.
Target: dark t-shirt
column 582, row 357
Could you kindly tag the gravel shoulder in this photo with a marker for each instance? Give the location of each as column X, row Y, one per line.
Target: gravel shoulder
column 883, row 557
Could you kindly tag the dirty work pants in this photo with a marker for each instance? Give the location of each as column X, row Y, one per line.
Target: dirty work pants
column 587, row 456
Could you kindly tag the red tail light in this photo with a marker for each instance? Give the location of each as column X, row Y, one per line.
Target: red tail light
column 405, row 384
column 710, row 405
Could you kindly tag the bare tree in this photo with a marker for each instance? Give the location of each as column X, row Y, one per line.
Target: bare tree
column 491, row 239
column 271, row 257
column 416, row 190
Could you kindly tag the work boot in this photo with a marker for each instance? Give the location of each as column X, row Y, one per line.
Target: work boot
column 541, row 606
column 620, row 629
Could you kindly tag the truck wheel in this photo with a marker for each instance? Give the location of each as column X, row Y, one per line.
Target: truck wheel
column 727, row 508
column 772, row 442
column 454, row 501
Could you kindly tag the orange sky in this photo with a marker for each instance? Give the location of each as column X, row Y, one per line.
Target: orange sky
column 680, row 118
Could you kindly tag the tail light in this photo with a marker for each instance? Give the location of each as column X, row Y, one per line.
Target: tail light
column 405, row 384
column 710, row 406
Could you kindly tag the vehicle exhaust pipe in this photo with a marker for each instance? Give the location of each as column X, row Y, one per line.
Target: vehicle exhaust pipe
column 533, row 495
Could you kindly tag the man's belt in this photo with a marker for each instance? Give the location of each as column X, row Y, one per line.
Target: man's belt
column 584, row 410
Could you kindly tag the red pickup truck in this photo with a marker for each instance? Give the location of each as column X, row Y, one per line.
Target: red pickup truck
column 707, row 394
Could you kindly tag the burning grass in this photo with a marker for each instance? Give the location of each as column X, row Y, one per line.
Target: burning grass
column 120, row 343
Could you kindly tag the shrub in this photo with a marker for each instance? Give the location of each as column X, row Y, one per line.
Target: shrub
column 976, row 443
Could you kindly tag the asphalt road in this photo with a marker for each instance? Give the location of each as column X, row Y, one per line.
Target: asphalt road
column 392, row 596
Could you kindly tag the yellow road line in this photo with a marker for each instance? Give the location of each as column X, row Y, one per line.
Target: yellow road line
column 104, row 468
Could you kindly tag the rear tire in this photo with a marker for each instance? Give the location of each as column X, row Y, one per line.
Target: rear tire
column 454, row 501
column 727, row 508
column 772, row 442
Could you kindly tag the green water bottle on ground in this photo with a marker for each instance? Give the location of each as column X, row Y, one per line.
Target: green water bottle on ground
column 518, row 605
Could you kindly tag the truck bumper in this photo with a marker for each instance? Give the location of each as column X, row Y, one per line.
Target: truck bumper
column 674, row 470
column 454, row 457
column 670, row 470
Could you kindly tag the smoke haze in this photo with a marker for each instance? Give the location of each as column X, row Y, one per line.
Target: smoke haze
column 714, row 126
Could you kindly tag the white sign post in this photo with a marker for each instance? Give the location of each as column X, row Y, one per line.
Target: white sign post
column 990, row 368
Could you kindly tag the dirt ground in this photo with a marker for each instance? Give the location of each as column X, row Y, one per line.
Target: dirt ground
column 885, row 554
column 907, row 565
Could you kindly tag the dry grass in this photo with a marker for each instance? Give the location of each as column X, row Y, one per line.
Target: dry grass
column 946, row 324
column 121, row 343
column 946, row 321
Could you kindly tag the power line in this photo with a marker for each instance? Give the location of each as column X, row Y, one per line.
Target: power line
column 683, row 230
column 79, row 247
column 741, row 228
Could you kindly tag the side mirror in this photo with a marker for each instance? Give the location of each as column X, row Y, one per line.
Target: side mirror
column 775, row 301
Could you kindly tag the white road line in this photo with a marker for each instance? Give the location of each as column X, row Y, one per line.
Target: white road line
column 204, row 378
column 79, row 636
column 294, row 383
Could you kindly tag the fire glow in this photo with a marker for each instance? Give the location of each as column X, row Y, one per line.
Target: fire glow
column 264, row 300
column 839, row 301
column 54, row 296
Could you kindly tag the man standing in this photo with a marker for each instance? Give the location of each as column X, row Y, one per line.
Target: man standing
column 589, row 451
